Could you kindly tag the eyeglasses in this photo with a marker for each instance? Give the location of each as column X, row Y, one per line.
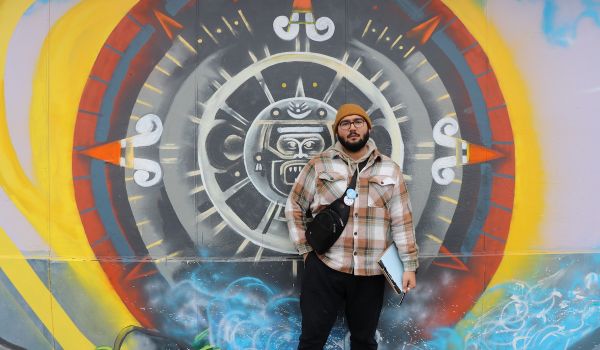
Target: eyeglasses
column 358, row 123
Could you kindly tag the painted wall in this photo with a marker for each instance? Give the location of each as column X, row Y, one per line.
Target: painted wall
column 147, row 148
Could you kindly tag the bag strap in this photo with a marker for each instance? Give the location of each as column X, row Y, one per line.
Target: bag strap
column 338, row 205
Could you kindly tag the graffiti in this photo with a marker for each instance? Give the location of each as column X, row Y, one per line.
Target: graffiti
column 148, row 147
column 554, row 313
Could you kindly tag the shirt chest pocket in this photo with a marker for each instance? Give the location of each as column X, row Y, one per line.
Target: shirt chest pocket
column 381, row 189
column 330, row 186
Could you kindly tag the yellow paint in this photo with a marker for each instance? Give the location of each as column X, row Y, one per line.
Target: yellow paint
column 160, row 69
column 186, row 44
column 444, row 219
column 172, row 255
column 48, row 202
column 207, row 31
column 38, row 297
column 367, row 28
column 450, row 115
column 129, row 152
column 155, row 244
column 144, row 103
column 443, row 97
column 135, row 198
column 154, row 88
column 396, row 41
column 448, row 199
column 228, row 25
column 434, row 238
column 529, row 181
column 431, row 78
column 174, row 60
column 382, row 34
column 142, row 223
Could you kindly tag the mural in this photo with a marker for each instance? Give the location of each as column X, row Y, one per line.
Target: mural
column 148, row 148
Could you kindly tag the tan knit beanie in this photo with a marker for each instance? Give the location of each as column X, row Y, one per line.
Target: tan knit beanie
column 350, row 109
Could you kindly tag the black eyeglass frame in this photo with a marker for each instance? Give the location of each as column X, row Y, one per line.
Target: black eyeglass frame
column 345, row 125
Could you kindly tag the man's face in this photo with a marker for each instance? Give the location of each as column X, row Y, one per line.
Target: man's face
column 353, row 132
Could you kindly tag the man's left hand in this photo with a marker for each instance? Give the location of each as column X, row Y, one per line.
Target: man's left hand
column 409, row 281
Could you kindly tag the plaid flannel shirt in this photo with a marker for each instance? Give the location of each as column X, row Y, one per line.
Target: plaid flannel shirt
column 380, row 214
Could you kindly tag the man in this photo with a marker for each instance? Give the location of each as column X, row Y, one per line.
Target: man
column 380, row 215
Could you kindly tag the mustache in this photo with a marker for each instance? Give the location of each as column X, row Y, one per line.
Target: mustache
column 353, row 134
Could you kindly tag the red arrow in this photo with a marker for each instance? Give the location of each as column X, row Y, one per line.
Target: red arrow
column 456, row 263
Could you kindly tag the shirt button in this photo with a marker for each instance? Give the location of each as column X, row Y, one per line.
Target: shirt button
column 355, row 233
column 354, row 253
column 355, row 215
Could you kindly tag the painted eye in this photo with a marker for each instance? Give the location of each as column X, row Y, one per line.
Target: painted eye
column 291, row 144
column 275, row 112
column 308, row 144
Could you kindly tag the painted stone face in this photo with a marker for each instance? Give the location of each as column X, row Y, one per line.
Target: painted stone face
column 283, row 138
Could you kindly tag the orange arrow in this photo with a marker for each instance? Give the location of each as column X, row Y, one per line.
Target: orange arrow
column 166, row 21
column 108, row 152
column 480, row 154
column 424, row 31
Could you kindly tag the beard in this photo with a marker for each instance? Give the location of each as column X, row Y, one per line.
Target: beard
column 356, row 145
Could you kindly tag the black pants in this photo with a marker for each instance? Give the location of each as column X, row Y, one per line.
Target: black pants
column 323, row 293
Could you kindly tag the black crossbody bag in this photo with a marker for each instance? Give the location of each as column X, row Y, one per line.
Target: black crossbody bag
column 327, row 226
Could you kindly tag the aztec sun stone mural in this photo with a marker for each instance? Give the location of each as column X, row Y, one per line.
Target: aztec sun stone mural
column 198, row 116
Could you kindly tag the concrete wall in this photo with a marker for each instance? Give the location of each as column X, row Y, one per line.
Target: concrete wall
column 147, row 148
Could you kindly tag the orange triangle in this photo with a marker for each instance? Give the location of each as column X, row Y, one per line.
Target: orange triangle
column 302, row 5
column 456, row 263
column 108, row 152
column 424, row 31
column 166, row 21
column 480, row 154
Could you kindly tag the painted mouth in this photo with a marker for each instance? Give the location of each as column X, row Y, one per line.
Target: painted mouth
column 291, row 170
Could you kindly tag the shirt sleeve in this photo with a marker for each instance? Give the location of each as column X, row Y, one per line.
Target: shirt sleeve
column 297, row 205
column 403, row 232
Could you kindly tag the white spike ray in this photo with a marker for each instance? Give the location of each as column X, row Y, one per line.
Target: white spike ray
column 259, row 254
column 242, row 246
column 264, row 86
column 300, row 88
column 235, row 188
